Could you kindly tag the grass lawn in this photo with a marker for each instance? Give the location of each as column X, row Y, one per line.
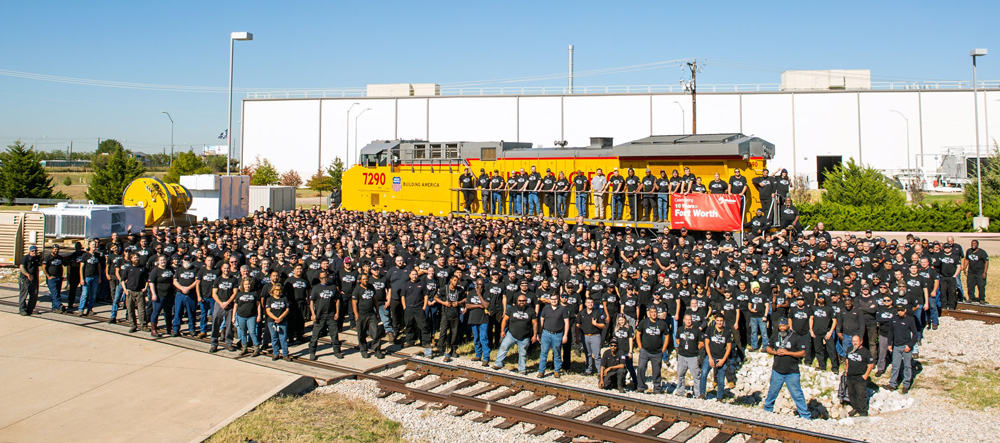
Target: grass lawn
column 311, row 418
column 16, row 208
column 81, row 180
column 977, row 387
column 992, row 281
column 943, row 198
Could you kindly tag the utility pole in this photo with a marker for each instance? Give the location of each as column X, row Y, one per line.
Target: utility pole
column 693, row 67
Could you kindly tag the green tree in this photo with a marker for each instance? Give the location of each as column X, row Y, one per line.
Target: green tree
column 108, row 184
column 336, row 171
column 320, row 182
column 109, row 146
column 186, row 163
column 264, row 174
column 991, row 180
column 22, row 174
column 852, row 184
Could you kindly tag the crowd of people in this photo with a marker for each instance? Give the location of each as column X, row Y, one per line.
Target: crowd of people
column 630, row 299
column 647, row 197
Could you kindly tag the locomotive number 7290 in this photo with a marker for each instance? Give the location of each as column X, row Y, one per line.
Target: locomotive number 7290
column 373, row 178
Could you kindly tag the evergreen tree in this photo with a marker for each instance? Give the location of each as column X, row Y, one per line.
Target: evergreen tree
column 22, row 174
column 853, row 184
column 336, row 171
column 991, row 180
column 187, row 163
column 108, row 184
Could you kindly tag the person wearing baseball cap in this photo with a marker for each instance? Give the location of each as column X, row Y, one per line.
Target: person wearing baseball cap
column 612, row 369
column 497, row 184
column 27, row 281
column 467, row 185
column 581, row 186
column 788, row 349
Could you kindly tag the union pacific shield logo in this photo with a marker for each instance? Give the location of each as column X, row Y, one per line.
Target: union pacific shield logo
column 397, row 184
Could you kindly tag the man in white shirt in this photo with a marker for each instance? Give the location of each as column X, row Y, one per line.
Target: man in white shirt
column 597, row 185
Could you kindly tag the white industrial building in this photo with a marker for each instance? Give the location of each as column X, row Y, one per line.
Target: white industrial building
column 815, row 119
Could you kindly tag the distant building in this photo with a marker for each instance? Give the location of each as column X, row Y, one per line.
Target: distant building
column 215, row 150
column 835, row 79
column 65, row 163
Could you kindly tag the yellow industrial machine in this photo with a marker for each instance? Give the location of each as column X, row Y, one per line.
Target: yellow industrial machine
column 421, row 177
column 164, row 203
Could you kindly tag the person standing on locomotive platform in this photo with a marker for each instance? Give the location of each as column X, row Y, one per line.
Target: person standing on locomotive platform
column 562, row 195
column 496, row 190
column 975, row 265
column 663, row 186
column 544, row 187
column 467, row 182
column 765, row 189
column 522, row 192
column 687, row 181
column 616, row 186
column 580, row 184
column 483, row 182
column 27, row 281
column 513, row 196
column 648, row 185
column 718, row 186
column 632, row 188
column 738, row 186
column 599, row 185
column 534, row 185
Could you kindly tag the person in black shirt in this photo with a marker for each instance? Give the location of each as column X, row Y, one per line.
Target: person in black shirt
column 648, row 186
column 246, row 315
column 365, row 306
column 975, row 265
column 788, row 349
column 718, row 347
column 631, row 186
column 135, row 279
column 611, row 369
column 53, row 266
column 903, row 336
column 521, row 325
column 717, row 186
column 496, row 189
column 223, row 294
column 483, row 182
column 414, row 298
column 765, row 188
column 580, row 184
column 451, row 297
column 298, row 290
column 591, row 323
column 91, row 263
column 477, row 304
column 651, row 336
column 689, row 341
column 663, row 186
column 161, row 292
column 554, row 320
column 73, row 275
column 324, row 308
column 27, row 281
column 277, row 309
column 616, row 185
column 467, row 183
column 185, row 280
column 857, row 367
column 949, row 267
column 822, row 324
column 206, row 283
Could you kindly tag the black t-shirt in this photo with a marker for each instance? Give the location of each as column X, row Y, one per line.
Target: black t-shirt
column 246, row 303
column 297, row 288
column 276, row 307
column 226, row 287
column 91, row 264
column 207, row 278
column 414, row 293
column 135, row 277
column 616, row 182
column 583, row 320
column 822, row 317
column 663, row 185
column 562, row 185
column 737, row 184
column 475, row 316
column 792, row 342
column 623, row 336
column 186, row 276
column 163, row 281
column 718, row 340
column 653, row 332
column 611, row 359
column 466, row 181
column 365, row 296
column 717, row 186
column 757, row 304
column 519, row 321
column 324, row 298
column 977, row 260
column 858, row 361
column 451, row 295
column 688, row 340
column 53, row 265
column 631, row 183
column 552, row 319
column 800, row 319
column 533, row 179
column 579, row 183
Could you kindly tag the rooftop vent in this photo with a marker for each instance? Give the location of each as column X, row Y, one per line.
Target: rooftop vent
column 601, row 142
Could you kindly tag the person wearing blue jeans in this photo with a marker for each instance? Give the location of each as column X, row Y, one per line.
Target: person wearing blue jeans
column 55, row 291
column 662, row 206
column 618, row 205
column 54, row 279
column 277, row 308
column 185, row 302
column 534, row 204
column 522, row 351
column 757, row 326
column 718, row 348
column 476, row 304
column 247, row 314
column 520, row 322
column 788, row 349
column 554, row 321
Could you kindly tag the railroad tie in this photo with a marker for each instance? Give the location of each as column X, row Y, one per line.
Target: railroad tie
column 631, row 421
column 431, row 385
column 412, row 377
column 688, row 433
column 578, row 411
column 721, row 437
column 485, row 418
column 551, row 404
column 502, row 395
column 507, row 424
column 538, row 430
column 458, row 386
column 659, row 427
column 526, row 400
column 482, row 390
column 407, row 400
column 607, row 415
column 754, row 440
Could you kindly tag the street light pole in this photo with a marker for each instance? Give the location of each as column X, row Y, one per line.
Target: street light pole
column 356, row 133
column 171, row 137
column 907, row 137
column 347, row 133
column 682, row 114
column 978, row 52
column 36, row 142
column 229, row 122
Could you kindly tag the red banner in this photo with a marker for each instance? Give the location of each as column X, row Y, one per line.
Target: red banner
column 705, row 212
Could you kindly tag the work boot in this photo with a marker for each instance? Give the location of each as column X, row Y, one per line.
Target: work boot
column 904, row 390
column 312, row 356
column 213, row 349
column 378, row 354
column 245, row 351
column 288, row 358
column 202, row 335
column 275, row 356
column 257, row 352
column 229, row 347
column 132, row 329
column 339, row 355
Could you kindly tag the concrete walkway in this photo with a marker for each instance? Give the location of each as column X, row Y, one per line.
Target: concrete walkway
column 63, row 382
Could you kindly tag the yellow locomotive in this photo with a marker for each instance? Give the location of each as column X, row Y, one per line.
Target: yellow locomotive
column 423, row 177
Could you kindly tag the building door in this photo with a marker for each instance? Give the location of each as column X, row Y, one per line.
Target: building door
column 826, row 163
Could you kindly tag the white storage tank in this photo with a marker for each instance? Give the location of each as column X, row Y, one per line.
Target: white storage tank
column 277, row 198
column 216, row 197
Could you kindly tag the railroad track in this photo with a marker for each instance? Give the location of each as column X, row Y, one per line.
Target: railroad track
column 615, row 424
column 623, row 419
column 989, row 314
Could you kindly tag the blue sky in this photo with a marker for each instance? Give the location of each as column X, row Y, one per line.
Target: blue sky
column 350, row 44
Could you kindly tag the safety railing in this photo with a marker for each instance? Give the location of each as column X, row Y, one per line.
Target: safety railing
column 614, row 89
